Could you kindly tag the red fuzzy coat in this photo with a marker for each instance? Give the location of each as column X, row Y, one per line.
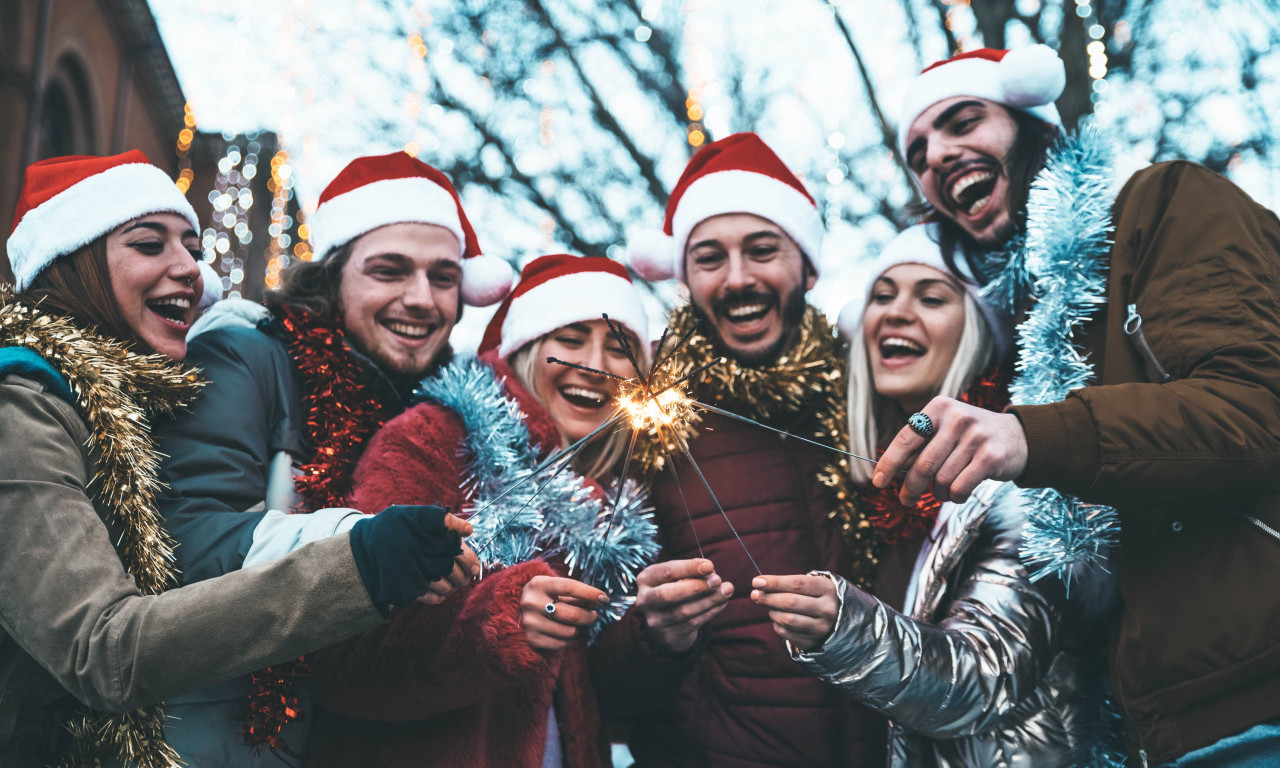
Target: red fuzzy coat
column 454, row 684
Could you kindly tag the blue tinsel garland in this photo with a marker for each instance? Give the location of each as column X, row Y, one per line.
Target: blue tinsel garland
column 548, row 516
column 1063, row 260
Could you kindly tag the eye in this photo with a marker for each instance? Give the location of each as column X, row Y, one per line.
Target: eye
column 708, row 259
column 569, row 340
column 445, row 280
column 881, row 297
column 763, row 251
column 148, row 247
column 933, row 301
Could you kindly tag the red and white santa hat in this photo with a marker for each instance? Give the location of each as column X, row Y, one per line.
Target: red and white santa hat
column 737, row 174
column 560, row 289
column 68, row 202
column 375, row 191
column 1029, row 79
column 920, row 245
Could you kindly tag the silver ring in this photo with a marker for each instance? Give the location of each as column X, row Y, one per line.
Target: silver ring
column 921, row 424
column 551, row 608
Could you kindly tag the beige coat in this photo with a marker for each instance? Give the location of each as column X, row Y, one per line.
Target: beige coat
column 72, row 621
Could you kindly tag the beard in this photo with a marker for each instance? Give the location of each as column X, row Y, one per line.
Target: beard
column 791, row 310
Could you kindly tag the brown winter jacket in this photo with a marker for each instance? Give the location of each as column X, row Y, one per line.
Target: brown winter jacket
column 72, row 622
column 1182, row 435
column 736, row 699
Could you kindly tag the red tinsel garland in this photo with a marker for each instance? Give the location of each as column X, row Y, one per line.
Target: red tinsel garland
column 897, row 522
column 341, row 415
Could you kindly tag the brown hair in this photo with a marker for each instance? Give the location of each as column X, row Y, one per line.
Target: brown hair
column 312, row 286
column 78, row 285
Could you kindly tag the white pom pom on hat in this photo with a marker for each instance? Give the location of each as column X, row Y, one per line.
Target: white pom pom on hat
column 1029, row 79
column 652, row 254
column 486, row 280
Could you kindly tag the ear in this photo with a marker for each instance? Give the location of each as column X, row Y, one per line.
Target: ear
column 810, row 276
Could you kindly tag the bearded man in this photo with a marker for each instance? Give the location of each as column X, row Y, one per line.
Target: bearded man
column 262, row 465
column 695, row 667
column 1149, row 380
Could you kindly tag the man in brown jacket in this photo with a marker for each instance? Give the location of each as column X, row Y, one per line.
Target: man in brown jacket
column 1179, row 428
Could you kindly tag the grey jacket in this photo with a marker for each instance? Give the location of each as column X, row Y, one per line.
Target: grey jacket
column 978, row 672
column 73, row 626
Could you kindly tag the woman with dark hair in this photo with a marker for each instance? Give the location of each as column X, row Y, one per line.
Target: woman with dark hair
column 104, row 254
column 983, row 666
column 498, row 674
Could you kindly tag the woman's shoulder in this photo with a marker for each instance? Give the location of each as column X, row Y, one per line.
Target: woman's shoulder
column 30, row 410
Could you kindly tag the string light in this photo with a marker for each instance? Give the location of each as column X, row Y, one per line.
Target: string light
column 183, row 149
column 277, row 252
column 1095, row 48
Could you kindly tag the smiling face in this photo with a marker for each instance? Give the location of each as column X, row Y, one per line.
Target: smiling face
column 912, row 327
column 579, row 401
column 155, row 279
column 398, row 300
column 959, row 150
column 747, row 278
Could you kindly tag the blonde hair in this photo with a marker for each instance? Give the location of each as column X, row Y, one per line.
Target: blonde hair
column 603, row 455
column 873, row 419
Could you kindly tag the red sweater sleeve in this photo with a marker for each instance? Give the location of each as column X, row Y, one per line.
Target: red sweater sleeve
column 431, row 659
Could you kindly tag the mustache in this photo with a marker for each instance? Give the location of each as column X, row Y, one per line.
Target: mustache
column 737, row 298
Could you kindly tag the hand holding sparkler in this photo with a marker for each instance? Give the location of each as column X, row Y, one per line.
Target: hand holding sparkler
column 553, row 609
column 678, row 597
column 466, row 566
column 803, row 608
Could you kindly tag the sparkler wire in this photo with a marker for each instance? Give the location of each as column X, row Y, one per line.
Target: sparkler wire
column 671, row 462
column 684, row 446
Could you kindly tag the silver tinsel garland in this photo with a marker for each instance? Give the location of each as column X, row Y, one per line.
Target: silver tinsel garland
column 557, row 514
column 1063, row 258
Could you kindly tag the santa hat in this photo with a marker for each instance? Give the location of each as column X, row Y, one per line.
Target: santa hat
column 560, row 289
column 1029, row 79
column 375, row 191
column 737, row 174
column 919, row 245
column 68, row 202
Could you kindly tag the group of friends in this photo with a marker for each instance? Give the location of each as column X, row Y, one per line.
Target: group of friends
column 305, row 530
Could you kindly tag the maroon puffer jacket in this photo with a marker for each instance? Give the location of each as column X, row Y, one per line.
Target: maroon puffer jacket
column 737, row 699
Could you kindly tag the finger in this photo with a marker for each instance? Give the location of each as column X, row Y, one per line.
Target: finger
column 468, row 561
column 573, row 615
column 797, row 605
column 797, row 624
column 897, row 457
column 690, row 611
column 674, row 593
column 952, row 466
column 538, row 622
column 675, row 570
column 800, row 584
column 454, row 523
column 928, row 461
column 561, row 588
column 432, row 598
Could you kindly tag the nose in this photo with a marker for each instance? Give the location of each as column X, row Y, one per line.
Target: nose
column 183, row 267
column 740, row 275
column 900, row 311
column 593, row 352
column 941, row 152
column 418, row 293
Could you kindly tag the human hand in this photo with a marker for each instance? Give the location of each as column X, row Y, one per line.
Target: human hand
column 678, row 597
column 549, row 632
column 803, row 609
column 401, row 550
column 970, row 445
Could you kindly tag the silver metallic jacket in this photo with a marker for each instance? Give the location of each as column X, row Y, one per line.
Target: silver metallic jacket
column 976, row 674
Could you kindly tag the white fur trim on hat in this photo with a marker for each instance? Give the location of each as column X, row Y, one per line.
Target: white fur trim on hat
column 574, row 298
column 1030, row 79
column 652, row 254
column 486, row 280
column 747, row 192
column 89, row 209
column 391, row 201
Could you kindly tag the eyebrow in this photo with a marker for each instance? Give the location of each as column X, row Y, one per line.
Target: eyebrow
column 928, row 281
column 401, row 260
column 158, row 228
column 764, row 233
column 940, row 121
column 578, row 327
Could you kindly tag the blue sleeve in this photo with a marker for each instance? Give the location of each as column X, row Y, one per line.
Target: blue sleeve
column 218, row 453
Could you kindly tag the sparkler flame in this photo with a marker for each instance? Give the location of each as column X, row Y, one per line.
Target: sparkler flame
column 649, row 413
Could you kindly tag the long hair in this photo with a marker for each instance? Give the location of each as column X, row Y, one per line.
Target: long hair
column 603, row 456
column 312, row 286
column 78, row 285
column 873, row 420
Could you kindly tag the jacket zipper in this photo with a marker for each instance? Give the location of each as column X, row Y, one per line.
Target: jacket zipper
column 1272, row 532
column 1133, row 327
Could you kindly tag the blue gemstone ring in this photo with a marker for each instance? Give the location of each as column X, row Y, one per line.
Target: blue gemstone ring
column 551, row 608
column 921, row 424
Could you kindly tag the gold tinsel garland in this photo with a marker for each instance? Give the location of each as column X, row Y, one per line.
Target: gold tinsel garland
column 115, row 390
column 810, row 375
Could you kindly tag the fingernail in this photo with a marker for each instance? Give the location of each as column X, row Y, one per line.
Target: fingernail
column 726, row 589
column 877, row 479
column 714, row 580
column 603, row 599
column 755, row 594
column 758, row 582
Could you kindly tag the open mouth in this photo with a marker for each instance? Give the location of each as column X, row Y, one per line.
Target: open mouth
column 970, row 192
column 410, row 331
column 582, row 397
column 896, row 348
column 171, row 309
column 743, row 314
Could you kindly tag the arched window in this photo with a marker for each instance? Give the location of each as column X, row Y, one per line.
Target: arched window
column 67, row 123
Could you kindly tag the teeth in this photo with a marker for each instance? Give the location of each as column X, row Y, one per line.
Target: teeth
column 172, row 301
column 404, row 329
column 746, row 310
column 585, row 394
column 964, row 182
column 894, row 341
